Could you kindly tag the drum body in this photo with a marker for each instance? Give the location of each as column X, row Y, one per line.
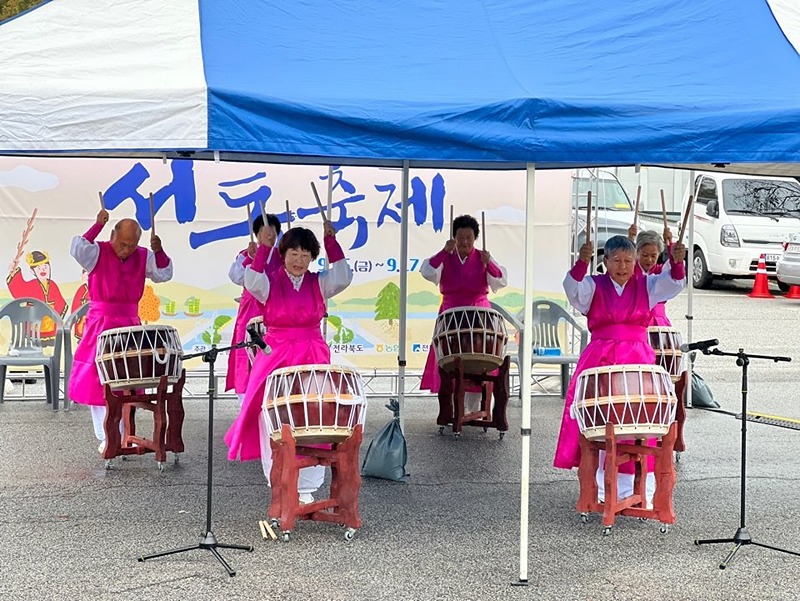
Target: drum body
column 138, row 356
column 320, row 403
column 666, row 342
column 475, row 334
column 256, row 322
column 638, row 399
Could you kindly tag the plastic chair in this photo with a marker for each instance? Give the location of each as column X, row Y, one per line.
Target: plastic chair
column 25, row 347
column 547, row 332
column 69, row 324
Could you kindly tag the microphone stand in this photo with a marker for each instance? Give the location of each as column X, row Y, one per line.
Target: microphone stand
column 742, row 536
column 207, row 540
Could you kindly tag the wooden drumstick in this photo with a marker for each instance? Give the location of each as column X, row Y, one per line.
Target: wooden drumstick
column 269, row 529
column 152, row 216
column 588, row 216
column 664, row 209
column 102, row 202
column 249, row 222
column 319, row 202
column 636, row 206
column 452, row 234
column 263, row 210
column 689, row 209
column 288, row 216
column 483, row 229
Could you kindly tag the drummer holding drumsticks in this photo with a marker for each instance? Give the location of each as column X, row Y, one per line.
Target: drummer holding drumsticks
column 266, row 235
column 464, row 275
column 649, row 247
column 117, row 270
column 294, row 306
column 619, row 307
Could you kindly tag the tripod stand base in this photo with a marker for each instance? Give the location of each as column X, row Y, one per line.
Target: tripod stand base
column 741, row 538
column 208, row 542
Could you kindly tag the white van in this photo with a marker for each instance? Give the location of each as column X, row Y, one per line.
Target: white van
column 736, row 220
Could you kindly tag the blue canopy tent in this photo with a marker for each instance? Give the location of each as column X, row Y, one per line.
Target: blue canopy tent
column 707, row 84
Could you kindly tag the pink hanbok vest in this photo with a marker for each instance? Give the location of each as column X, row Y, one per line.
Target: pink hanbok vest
column 295, row 337
column 461, row 286
column 115, row 288
column 660, row 318
column 249, row 307
column 618, row 325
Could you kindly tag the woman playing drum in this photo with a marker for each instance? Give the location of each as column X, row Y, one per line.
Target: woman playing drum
column 464, row 276
column 618, row 305
column 294, row 306
column 649, row 246
column 249, row 307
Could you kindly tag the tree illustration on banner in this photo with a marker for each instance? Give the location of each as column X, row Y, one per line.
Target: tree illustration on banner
column 149, row 306
column 387, row 306
column 343, row 334
column 212, row 335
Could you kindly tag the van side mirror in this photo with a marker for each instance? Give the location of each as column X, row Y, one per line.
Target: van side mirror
column 712, row 208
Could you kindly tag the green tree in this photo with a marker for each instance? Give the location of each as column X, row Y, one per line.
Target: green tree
column 388, row 304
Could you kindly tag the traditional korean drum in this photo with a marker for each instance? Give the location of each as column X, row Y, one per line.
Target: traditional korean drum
column 138, row 356
column 638, row 399
column 320, row 403
column 475, row 334
column 258, row 323
column 666, row 342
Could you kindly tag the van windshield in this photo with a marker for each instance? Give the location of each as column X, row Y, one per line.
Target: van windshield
column 606, row 194
column 761, row 196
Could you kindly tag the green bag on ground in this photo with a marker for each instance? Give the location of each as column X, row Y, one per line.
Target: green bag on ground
column 701, row 393
column 387, row 455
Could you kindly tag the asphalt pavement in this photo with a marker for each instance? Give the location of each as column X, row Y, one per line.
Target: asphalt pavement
column 72, row 530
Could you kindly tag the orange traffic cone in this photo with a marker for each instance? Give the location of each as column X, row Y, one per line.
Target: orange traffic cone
column 761, row 285
column 794, row 292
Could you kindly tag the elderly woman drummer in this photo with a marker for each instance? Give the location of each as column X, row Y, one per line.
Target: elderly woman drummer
column 294, row 306
column 619, row 307
column 464, row 276
column 649, row 247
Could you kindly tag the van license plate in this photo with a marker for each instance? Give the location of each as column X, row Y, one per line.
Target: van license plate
column 773, row 258
column 793, row 248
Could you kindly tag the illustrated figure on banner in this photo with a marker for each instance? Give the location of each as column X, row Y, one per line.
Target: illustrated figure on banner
column 80, row 298
column 41, row 286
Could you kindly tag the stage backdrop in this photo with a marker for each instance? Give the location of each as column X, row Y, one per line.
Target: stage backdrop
column 201, row 218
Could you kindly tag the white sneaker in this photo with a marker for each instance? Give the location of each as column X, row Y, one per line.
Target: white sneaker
column 306, row 498
column 102, row 448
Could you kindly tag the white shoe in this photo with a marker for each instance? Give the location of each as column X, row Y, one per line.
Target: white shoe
column 102, row 448
column 306, row 498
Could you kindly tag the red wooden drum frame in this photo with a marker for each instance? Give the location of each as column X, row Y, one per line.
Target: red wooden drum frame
column 138, row 356
column 666, row 342
column 477, row 335
column 639, row 400
column 320, row 403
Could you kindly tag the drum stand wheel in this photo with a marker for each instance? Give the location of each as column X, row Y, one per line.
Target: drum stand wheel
column 349, row 533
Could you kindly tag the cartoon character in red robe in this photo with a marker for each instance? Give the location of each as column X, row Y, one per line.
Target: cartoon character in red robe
column 41, row 287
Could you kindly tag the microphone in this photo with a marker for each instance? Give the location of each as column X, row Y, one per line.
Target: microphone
column 256, row 339
column 700, row 345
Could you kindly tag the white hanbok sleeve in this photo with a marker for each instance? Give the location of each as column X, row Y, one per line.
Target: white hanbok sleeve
column 236, row 272
column 497, row 283
column 580, row 293
column 432, row 274
column 84, row 252
column 154, row 272
column 334, row 280
column 662, row 287
column 257, row 284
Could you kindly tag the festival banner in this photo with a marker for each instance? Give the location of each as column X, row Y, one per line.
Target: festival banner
column 201, row 217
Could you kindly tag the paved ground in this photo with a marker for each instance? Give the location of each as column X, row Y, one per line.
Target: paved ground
column 72, row 530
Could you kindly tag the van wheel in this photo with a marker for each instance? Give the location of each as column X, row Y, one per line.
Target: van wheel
column 701, row 278
column 783, row 287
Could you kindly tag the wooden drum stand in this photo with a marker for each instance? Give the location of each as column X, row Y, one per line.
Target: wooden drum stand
column 451, row 399
column 288, row 457
column 618, row 453
column 167, row 408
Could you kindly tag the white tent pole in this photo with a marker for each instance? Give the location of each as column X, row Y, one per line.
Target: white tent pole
column 525, row 378
column 690, row 282
column 401, row 351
